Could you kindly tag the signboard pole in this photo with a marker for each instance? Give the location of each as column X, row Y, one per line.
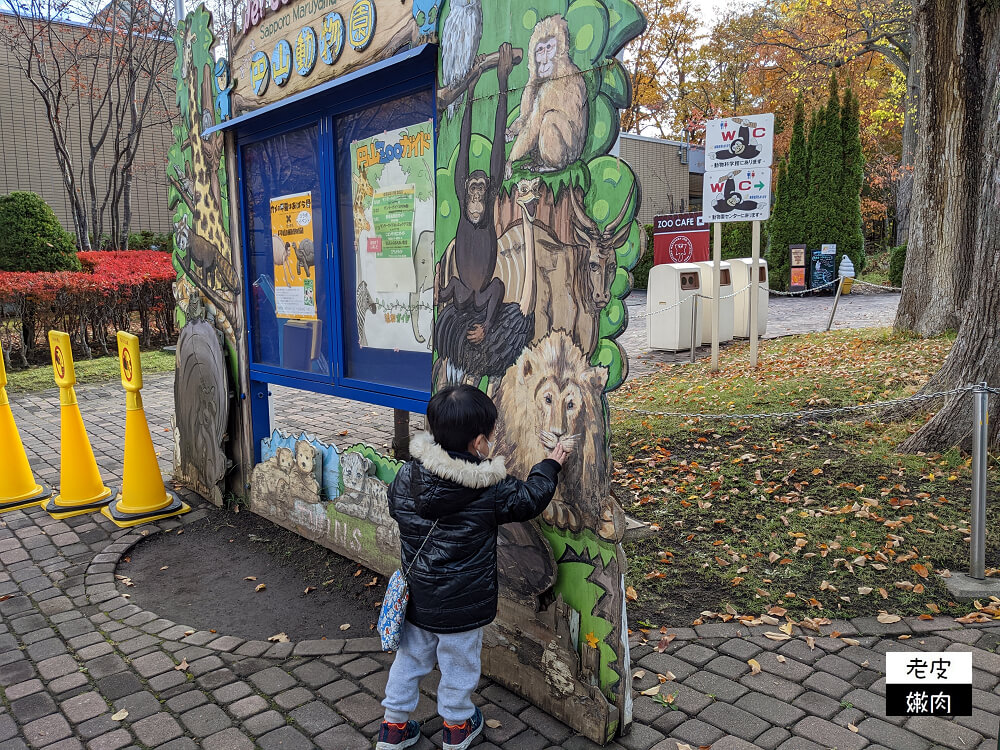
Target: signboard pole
column 716, row 275
column 754, row 291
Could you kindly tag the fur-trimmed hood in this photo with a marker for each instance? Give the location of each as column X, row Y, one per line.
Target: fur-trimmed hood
column 440, row 463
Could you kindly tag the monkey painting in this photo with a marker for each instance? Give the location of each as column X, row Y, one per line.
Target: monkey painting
column 475, row 333
column 552, row 126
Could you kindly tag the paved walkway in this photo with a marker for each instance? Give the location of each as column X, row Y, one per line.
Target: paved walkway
column 786, row 316
column 80, row 666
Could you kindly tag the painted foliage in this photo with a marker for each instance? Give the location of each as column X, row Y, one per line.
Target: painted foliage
column 208, row 285
column 535, row 237
column 334, row 497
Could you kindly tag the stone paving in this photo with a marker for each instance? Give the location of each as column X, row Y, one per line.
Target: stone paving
column 80, row 666
column 75, row 654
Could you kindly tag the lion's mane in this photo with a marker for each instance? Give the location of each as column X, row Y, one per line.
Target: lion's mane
column 555, row 365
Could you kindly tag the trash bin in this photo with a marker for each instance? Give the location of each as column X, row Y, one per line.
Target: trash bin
column 726, row 306
column 671, row 289
column 741, row 310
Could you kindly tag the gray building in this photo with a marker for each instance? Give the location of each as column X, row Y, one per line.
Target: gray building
column 670, row 173
column 28, row 153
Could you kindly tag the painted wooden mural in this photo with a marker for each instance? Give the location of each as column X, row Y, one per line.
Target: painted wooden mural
column 208, row 285
column 536, row 234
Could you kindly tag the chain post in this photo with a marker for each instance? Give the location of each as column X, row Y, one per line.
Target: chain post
column 980, row 434
column 694, row 326
column 836, row 301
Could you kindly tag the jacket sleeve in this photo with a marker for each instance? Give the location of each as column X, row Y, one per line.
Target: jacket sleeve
column 522, row 501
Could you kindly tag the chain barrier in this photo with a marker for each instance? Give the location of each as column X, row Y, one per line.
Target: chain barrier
column 804, row 291
column 807, row 413
column 879, row 286
column 678, row 303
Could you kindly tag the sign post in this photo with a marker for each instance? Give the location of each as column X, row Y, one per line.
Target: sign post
column 754, row 290
column 737, row 187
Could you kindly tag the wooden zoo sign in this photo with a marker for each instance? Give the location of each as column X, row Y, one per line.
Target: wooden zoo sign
column 282, row 48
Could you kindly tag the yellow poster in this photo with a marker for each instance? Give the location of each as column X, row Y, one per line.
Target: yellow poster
column 292, row 243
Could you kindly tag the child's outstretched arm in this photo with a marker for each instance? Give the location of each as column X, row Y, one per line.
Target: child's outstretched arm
column 522, row 501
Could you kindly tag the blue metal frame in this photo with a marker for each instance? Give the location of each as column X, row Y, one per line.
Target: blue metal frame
column 405, row 73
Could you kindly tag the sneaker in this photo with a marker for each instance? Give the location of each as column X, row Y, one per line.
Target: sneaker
column 460, row 737
column 397, row 736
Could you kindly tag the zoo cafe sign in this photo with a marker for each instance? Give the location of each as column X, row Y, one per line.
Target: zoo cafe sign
column 299, row 53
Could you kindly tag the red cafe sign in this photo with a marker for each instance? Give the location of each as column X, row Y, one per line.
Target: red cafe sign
column 680, row 238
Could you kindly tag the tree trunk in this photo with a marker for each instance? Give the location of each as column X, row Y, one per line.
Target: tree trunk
column 963, row 150
column 942, row 237
column 911, row 110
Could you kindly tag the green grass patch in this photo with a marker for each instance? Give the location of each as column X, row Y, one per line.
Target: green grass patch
column 821, row 517
column 97, row 370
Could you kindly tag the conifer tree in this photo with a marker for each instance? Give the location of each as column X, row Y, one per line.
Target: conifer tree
column 852, row 238
column 779, row 229
column 826, row 173
column 798, row 175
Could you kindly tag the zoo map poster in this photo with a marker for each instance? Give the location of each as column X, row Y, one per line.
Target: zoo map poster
column 294, row 256
column 392, row 184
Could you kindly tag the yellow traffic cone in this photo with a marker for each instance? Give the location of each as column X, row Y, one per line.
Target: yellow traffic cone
column 18, row 488
column 143, row 497
column 81, row 489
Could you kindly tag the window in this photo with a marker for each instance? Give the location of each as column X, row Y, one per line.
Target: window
column 338, row 223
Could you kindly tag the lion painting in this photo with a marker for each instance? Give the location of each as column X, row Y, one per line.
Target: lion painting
column 551, row 395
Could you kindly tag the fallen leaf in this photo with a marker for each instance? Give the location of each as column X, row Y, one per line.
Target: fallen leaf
column 864, row 590
column 182, row 666
column 120, row 716
column 780, row 658
column 260, row 587
column 639, row 674
column 886, row 619
column 164, row 567
column 754, row 666
column 250, row 578
column 653, row 690
column 777, row 636
column 852, row 728
column 188, row 632
column 278, row 638
column 851, row 641
column 786, row 628
column 346, row 626
column 493, row 723
column 372, row 582
column 631, row 594
column 920, row 570
column 811, row 642
column 308, row 589
column 661, row 646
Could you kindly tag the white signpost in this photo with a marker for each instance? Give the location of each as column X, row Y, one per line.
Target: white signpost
column 737, row 187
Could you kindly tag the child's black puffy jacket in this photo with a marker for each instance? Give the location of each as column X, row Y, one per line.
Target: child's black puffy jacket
column 453, row 584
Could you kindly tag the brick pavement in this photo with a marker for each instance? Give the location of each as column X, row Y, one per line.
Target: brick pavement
column 80, row 666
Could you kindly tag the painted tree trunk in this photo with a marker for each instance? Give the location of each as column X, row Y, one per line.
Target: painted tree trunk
column 959, row 159
column 945, row 178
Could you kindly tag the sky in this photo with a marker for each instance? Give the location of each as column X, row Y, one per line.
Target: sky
column 709, row 9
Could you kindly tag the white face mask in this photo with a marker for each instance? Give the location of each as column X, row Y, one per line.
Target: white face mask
column 490, row 444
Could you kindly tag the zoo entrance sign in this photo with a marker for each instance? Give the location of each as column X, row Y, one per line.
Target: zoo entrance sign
column 283, row 47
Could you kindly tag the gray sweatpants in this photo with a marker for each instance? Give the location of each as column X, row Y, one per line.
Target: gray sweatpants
column 458, row 656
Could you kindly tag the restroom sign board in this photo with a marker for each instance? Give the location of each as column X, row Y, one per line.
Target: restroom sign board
column 739, row 142
column 928, row 683
column 737, row 195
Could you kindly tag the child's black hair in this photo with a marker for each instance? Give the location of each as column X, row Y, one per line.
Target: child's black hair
column 458, row 414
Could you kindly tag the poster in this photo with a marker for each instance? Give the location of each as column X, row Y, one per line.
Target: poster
column 393, row 198
column 294, row 251
column 680, row 238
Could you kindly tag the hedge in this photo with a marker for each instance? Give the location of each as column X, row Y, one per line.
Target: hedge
column 117, row 290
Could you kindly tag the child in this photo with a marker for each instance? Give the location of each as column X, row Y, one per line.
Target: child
column 453, row 581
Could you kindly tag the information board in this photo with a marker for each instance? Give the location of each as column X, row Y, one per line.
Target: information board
column 737, row 195
column 739, row 142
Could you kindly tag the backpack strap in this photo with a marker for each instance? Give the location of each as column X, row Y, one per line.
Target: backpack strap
column 421, row 549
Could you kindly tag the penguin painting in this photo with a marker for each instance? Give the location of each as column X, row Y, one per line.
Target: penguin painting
column 741, row 147
column 732, row 199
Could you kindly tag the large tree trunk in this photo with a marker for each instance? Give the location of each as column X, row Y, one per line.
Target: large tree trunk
column 911, row 103
column 943, row 209
column 961, row 154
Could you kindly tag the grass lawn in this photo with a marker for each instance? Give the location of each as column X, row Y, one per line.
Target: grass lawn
column 96, row 370
column 819, row 518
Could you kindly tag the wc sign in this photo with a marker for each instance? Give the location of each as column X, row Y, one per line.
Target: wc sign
column 737, row 195
column 734, row 142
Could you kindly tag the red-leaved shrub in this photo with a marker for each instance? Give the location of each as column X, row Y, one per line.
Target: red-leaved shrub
column 129, row 290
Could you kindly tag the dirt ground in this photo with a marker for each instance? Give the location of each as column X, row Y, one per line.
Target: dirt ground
column 198, row 578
